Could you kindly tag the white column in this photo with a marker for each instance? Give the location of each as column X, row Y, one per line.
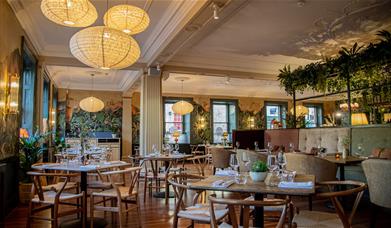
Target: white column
column 126, row 127
column 151, row 113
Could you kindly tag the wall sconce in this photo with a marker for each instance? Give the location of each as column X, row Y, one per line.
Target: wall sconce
column 251, row 122
column 53, row 118
column 11, row 91
column 201, row 122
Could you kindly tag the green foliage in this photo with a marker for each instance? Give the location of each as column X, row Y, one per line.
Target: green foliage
column 200, row 135
column 30, row 152
column 290, row 121
column 243, row 117
column 364, row 66
column 259, row 166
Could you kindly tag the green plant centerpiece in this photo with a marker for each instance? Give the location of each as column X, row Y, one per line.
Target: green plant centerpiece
column 258, row 171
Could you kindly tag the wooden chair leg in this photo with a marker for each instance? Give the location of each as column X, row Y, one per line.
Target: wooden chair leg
column 120, row 211
column 28, row 224
column 310, row 203
column 92, row 211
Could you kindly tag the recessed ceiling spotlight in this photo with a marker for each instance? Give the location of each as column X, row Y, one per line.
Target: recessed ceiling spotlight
column 215, row 11
column 300, row 3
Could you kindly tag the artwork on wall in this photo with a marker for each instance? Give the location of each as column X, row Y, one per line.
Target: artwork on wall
column 135, row 125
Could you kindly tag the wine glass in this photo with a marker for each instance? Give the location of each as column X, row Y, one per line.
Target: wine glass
column 256, row 145
column 269, row 147
column 271, row 162
column 233, row 162
column 237, row 144
column 291, row 147
column 245, row 159
column 360, row 150
column 281, row 158
column 176, row 148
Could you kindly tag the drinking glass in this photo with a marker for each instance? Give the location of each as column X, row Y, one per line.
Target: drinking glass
column 256, row 146
column 241, row 178
column 281, row 158
column 237, row 144
column 360, row 150
column 177, row 148
column 269, row 146
column 271, row 162
column 245, row 159
column 291, row 147
column 288, row 176
column 233, row 162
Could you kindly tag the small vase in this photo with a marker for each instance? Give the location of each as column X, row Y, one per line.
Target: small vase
column 345, row 153
column 258, row 176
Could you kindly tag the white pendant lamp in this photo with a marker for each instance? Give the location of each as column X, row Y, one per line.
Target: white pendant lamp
column 182, row 107
column 127, row 18
column 91, row 104
column 71, row 13
column 104, row 48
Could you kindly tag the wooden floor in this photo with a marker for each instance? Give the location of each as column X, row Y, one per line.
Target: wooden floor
column 156, row 214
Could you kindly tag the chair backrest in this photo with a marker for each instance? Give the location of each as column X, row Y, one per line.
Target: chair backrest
column 130, row 177
column 382, row 153
column 200, row 162
column 220, row 157
column 245, row 207
column 377, row 172
column 355, row 187
column 180, row 183
column 38, row 183
column 309, row 164
column 252, row 156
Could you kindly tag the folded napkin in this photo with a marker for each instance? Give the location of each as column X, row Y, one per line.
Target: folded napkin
column 88, row 166
column 229, row 173
column 300, row 185
column 222, row 183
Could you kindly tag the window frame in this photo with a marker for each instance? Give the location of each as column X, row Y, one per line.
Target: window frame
column 317, row 106
column 227, row 102
column 173, row 100
column 280, row 104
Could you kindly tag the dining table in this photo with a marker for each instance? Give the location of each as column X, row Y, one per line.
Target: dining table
column 83, row 170
column 259, row 189
column 170, row 160
column 342, row 162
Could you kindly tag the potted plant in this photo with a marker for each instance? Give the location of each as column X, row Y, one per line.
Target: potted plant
column 30, row 152
column 258, row 171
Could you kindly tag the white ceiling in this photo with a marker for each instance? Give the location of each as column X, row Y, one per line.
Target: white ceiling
column 265, row 35
column 51, row 40
column 80, row 78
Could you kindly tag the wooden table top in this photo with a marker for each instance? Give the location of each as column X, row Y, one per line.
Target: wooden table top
column 81, row 168
column 340, row 161
column 254, row 187
column 168, row 157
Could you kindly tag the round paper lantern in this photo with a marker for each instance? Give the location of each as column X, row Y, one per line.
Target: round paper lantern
column 104, row 48
column 127, row 18
column 91, row 104
column 182, row 107
column 71, row 13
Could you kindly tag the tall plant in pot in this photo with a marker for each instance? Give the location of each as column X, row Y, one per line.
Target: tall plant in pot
column 30, row 152
column 258, row 171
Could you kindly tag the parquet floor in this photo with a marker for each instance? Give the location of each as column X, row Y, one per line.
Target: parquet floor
column 156, row 214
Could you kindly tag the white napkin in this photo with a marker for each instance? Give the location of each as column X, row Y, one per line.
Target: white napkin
column 88, row 166
column 226, row 173
column 304, row 185
column 222, row 183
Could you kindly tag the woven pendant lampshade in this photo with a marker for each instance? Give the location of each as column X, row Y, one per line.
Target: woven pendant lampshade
column 104, row 48
column 71, row 13
column 91, row 104
column 182, row 107
column 127, row 18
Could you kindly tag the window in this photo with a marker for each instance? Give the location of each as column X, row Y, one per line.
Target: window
column 275, row 111
column 174, row 122
column 45, row 104
column 224, row 119
column 314, row 116
column 28, row 90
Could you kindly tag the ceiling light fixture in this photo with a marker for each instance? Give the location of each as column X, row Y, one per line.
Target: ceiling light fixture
column 127, row 18
column 104, row 48
column 91, row 104
column 182, row 107
column 71, row 13
column 215, row 11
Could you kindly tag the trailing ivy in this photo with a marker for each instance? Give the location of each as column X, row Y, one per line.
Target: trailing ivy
column 365, row 67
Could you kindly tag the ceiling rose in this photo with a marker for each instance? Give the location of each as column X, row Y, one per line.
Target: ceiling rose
column 71, row 13
column 91, row 104
column 127, row 18
column 104, row 48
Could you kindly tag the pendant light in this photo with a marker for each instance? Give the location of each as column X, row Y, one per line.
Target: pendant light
column 182, row 107
column 71, row 13
column 127, row 18
column 91, row 104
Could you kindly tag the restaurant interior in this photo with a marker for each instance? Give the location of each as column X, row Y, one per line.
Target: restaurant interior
column 195, row 113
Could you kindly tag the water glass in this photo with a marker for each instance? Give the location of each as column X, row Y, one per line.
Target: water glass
column 271, row 162
column 288, row 176
column 233, row 162
column 237, row 144
column 241, row 178
column 291, row 147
